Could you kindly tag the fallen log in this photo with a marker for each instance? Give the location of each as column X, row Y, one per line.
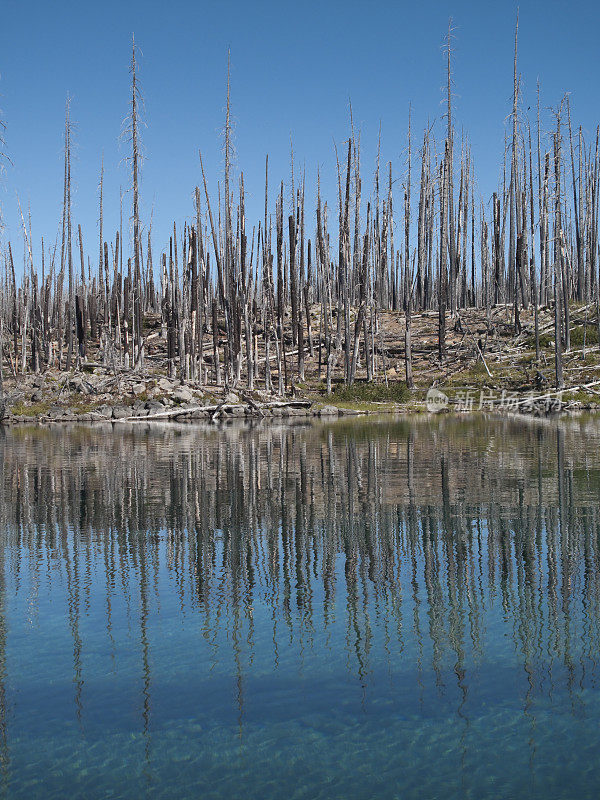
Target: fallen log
column 213, row 411
column 557, row 392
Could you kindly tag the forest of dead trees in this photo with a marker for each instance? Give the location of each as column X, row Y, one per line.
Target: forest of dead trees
column 298, row 294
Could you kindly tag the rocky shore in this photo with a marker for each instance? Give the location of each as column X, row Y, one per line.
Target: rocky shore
column 98, row 396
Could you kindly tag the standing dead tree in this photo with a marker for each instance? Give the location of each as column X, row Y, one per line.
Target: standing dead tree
column 133, row 123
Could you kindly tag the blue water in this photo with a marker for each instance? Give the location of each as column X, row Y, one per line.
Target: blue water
column 376, row 609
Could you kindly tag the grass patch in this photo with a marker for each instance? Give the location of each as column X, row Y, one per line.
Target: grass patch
column 82, row 405
column 360, row 392
column 30, row 409
column 581, row 397
column 473, row 375
column 527, row 360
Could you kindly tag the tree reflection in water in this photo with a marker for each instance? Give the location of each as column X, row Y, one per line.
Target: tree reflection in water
column 413, row 546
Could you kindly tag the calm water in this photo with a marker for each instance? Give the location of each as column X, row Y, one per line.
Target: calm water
column 376, row 609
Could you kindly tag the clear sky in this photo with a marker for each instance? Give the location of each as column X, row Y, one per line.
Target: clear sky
column 294, row 68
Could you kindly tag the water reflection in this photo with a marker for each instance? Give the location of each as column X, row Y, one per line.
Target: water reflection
column 382, row 570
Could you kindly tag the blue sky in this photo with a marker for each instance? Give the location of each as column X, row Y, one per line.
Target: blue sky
column 294, row 67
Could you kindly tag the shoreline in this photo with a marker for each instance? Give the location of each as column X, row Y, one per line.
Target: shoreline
column 90, row 398
column 500, row 372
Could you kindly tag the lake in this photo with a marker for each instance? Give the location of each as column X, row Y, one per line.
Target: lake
column 373, row 608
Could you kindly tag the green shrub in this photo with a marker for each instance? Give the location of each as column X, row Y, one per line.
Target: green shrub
column 545, row 340
column 591, row 335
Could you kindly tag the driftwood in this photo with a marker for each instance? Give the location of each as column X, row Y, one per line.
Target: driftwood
column 214, row 410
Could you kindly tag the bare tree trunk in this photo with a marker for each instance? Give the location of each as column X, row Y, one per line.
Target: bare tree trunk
column 442, row 281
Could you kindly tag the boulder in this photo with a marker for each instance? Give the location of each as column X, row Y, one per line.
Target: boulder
column 236, row 411
column 329, row 411
column 199, row 414
column 182, row 395
column 93, row 416
column 77, row 384
column 104, row 412
column 139, row 409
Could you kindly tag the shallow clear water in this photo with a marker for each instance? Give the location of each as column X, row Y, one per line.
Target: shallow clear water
column 383, row 609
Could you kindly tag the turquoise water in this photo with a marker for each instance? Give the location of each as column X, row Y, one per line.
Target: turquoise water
column 374, row 609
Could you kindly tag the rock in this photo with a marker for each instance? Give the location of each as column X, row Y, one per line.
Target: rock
column 182, row 395
column 37, row 396
column 38, row 381
column 138, row 388
column 77, row 384
column 231, row 397
column 153, row 406
column 121, row 412
column 55, row 412
column 95, row 417
column 237, row 411
column 105, row 412
column 165, row 385
column 186, row 412
column 329, row 411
